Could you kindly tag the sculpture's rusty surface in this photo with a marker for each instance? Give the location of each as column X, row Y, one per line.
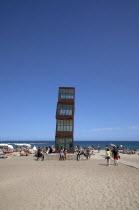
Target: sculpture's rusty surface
column 64, row 137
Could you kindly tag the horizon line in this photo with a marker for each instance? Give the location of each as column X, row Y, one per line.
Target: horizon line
column 74, row 141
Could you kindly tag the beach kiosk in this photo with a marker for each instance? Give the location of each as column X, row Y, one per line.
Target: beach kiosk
column 64, row 136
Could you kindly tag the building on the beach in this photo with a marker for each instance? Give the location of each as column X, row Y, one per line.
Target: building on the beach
column 64, row 137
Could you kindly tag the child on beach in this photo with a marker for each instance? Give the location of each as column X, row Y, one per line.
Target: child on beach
column 108, row 156
column 61, row 157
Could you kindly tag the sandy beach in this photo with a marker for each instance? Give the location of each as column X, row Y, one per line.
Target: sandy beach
column 87, row 184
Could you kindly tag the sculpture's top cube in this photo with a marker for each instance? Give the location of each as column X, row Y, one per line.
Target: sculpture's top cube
column 66, row 94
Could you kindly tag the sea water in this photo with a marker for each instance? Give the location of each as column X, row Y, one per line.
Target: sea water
column 125, row 144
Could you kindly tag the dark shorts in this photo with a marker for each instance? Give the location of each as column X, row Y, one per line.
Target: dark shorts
column 39, row 155
column 108, row 157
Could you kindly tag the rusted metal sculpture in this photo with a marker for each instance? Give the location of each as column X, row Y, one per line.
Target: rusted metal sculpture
column 64, row 137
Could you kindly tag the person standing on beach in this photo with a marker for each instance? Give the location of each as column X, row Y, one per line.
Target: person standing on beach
column 61, row 157
column 98, row 148
column 115, row 155
column 38, row 153
column 78, row 154
column 88, row 153
column 108, row 156
column 106, row 147
column 65, row 154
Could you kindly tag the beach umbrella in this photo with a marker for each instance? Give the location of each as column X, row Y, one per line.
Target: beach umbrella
column 34, row 148
column 1, row 152
column 27, row 145
column 3, row 145
column 112, row 145
column 10, row 146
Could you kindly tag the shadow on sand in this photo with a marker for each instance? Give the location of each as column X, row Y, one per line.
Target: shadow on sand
column 105, row 164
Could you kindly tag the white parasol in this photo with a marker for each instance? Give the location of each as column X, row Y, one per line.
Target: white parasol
column 112, row 145
column 6, row 145
column 10, row 146
column 34, row 148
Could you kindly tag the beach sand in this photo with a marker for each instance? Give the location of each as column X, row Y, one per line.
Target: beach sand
column 64, row 185
column 131, row 157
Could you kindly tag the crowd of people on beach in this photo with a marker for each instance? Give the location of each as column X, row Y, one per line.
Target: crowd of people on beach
column 86, row 152
column 112, row 152
column 41, row 151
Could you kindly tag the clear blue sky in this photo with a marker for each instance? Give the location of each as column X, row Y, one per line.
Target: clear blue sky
column 91, row 45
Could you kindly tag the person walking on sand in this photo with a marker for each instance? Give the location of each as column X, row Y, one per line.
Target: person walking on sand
column 108, row 156
column 115, row 155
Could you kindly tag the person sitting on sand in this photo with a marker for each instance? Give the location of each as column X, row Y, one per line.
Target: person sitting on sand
column 50, row 150
column 108, row 156
column 3, row 154
column 93, row 152
column 40, row 153
column 22, row 153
